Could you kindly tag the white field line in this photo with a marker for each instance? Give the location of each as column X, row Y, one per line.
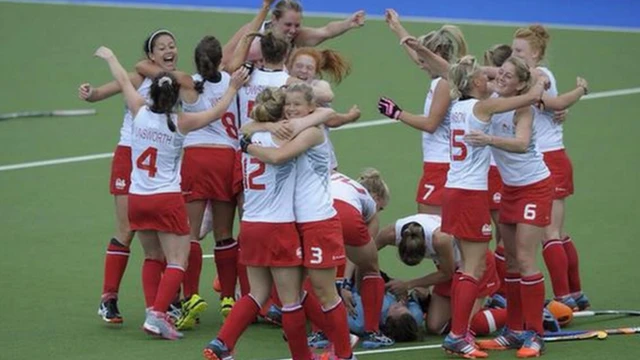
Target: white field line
column 394, row 350
column 27, row 165
column 313, row 14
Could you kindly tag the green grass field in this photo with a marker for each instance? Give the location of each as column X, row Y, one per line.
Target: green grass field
column 56, row 220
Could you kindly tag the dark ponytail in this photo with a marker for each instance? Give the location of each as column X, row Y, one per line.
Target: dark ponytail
column 274, row 48
column 164, row 94
column 208, row 55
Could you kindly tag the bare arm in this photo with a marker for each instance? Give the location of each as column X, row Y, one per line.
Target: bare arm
column 314, row 36
column 339, row 119
column 319, row 116
column 133, row 99
column 374, row 225
column 443, row 245
column 244, row 44
column 517, row 144
column 193, row 121
column 436, row 64
column 386, row 236
column 563, row 101
column 322, row 92
column 437, row 112
column 484, row 109
column 307, row 139
column 88, row 93
column 149, row 69
column 393, row 21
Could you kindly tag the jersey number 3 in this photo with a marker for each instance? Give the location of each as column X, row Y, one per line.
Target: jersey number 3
column 147, row 161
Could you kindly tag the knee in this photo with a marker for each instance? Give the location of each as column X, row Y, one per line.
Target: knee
column 327, row 295
column 436, row 326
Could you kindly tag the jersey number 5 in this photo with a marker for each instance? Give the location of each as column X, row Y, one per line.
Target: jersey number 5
column 249, row 177
column 456, row 143
column 147, row 161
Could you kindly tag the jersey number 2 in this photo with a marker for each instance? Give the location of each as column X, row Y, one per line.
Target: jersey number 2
column 147, row 161
column 249, row 177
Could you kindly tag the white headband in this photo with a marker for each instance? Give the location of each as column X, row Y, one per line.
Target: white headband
column 159, row 32
column 165, row 79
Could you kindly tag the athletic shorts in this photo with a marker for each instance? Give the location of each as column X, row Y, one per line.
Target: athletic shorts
column 431, row 185
column 208, row 173
column 465, row 214
column 322, row 243
column 164, row 212
column 120, row 171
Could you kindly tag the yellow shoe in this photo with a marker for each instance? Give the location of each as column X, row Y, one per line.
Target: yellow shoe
column 191, row 310
column 225, row 306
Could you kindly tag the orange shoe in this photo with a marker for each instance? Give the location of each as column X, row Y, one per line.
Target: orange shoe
column 508, row 339
column 533, row 346
column 462, row 348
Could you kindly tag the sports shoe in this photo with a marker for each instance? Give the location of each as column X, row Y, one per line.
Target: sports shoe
column 374, row 340
column 159, row 324
column 461, row 347
column 274, row 315
column 191, row 310
column 549, row 322
column 497, row 301
column 175, row 311
column 507, row 339
column 216, row 350
column 225, row 306
column 317, row 340
column 108, row 311
column 582, row 301
column 568, row 301
column 533, row 345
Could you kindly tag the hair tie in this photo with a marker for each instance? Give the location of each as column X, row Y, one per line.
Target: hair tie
column 165, row 79
column 153, row 36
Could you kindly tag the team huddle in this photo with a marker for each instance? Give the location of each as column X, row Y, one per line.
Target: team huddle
column 249, row 132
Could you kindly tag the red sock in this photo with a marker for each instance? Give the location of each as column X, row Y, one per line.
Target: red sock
column 115, row 263
column 194, row 268
column 151, row 276
column 242, row 315
column 313, row 311
column 515, row 317
column 337, row 329
column 372, row 290
column 485, row 322
column 532, row 292
column 169, row 285
column 226, row 259
column 556, row 260
column 501, row 268
column 243, row 278
column 463, row 296
column 574, row 269
column 294, row 327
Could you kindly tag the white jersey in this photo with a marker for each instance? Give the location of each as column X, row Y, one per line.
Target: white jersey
column 429, row 224
column 127, row 123
column 352, row 192
column 333, row 161
column 260, row 80
column 550, row 133
column 268, row 189
column 517, row 169
column 220, row 132
column 313, row 201
column 435, row 147
column 155, row 154
column 469, row 167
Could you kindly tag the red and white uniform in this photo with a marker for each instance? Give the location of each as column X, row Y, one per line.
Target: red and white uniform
column 121, row 163
column 210, row 152
column 465, row 208
column 527, row 190
column 317, row 220
column 435, row 157
column 494, row 186
column 268, row 235
column 355, row 207
column 550, row 142
column 155, row 200
column 260, row 80
column 488, row 284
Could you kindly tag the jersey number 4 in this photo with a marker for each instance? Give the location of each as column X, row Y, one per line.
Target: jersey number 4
column 147, row 161
column 460, row 152
column 250, row 177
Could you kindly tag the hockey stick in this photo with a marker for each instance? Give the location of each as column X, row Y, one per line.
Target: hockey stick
column 618, row 331
column 588, row 313
column 574, row 335
column 21, row 114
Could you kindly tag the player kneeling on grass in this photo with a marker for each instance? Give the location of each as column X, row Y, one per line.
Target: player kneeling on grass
column 156, row 206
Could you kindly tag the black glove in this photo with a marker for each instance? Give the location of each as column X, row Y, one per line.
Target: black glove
column 389, row 108
column 245, row 141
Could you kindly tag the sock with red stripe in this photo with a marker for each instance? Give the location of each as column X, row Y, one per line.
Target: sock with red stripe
column 242, row 315
column 574, row 268
column 337, row 329
column 515, row 316
column 151, row 275
column 294, row 327
column 372, row 290
column 194, row 268
column 243, row 278
column 169, row 286
column 115, row 263
column 532, row 293
column 501, row 268
column 226, row 259
column 485, row 322
column 463, row 296
column 556, row 260
column 313, row 311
